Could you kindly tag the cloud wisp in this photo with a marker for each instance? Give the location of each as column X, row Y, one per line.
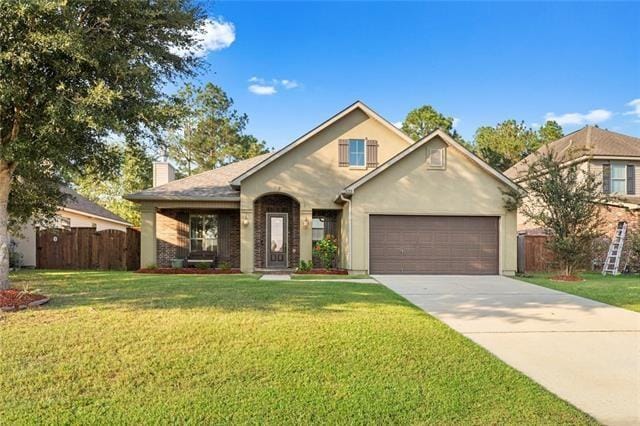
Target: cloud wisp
column 261, row 86
column 575, row 118
column 635, row 108
column 215, row 34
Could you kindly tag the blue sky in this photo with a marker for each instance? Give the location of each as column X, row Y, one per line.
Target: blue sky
column 292, row 65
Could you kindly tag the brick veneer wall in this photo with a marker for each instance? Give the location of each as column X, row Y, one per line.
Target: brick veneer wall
column 172, row 233
column 276, row 204
column 613, row 215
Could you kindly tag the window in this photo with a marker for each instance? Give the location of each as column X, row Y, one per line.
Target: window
column 356, row 153
column 317, row 229
column 618, row 178
column 203, row 231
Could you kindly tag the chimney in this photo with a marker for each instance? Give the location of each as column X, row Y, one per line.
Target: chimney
column 163, row 172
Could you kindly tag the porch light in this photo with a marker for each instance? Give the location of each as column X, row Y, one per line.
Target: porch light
column 245, row 220
column 305, row 222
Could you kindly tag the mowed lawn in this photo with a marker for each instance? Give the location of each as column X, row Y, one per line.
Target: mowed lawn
column 130, row 348
column 620, row 290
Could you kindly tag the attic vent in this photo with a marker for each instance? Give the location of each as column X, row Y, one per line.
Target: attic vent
column 436, row 158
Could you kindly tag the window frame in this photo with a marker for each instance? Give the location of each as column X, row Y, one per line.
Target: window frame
column 203, row 239
column 364, row 154
column 322, row 220
column 613, row 165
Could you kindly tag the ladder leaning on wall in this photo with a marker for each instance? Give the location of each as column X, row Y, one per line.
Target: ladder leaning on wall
column 612, row 262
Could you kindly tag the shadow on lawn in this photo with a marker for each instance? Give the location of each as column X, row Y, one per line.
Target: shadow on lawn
column 229, row 293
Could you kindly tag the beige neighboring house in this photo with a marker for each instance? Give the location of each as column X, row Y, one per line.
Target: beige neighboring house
column 77, row 212
column 613, row 157
column 394, row 205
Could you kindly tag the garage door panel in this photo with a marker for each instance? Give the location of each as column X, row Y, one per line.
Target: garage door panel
column 433, row 244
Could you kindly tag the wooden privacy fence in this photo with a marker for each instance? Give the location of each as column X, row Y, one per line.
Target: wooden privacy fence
column 533, row 254
column 86, row 248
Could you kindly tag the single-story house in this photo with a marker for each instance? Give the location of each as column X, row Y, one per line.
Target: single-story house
column 613, row 157
column 77, row 212
column 394, row 205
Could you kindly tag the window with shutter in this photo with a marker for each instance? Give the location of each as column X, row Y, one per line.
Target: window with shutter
column 357, row 153
column 618, row 178
column 343, row 153
column 631, row 179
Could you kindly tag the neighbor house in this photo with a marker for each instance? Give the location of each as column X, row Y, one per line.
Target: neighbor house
column 77, row 212
column 393, row 204
column 615, row 160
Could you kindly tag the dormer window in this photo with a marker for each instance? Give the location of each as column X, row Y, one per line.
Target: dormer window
column 357, row 153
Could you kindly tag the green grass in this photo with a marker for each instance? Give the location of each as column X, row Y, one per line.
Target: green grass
column 621, row 290
column 130, row 348
column 327, row 277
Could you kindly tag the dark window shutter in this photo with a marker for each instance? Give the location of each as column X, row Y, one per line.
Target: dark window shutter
column 372, row 153
column 343, row 153
column 631, row 179
column 606, row 178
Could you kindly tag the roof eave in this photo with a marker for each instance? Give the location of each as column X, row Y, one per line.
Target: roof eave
column 134, row 197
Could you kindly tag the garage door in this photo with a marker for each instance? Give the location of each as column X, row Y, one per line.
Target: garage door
column 433, row 245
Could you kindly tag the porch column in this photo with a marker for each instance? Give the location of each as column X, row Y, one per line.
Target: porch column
column 246, row 240
column 305, row 235
column 148, row 236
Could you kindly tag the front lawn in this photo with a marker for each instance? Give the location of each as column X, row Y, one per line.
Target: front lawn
column 621, row 290
column 128, row 348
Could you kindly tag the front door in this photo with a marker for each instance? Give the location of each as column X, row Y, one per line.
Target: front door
column 277, row 240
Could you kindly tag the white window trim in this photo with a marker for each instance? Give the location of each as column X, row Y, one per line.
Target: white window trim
column 442, row 166
column 202, row 239
column 623, row 179
column 364, row 148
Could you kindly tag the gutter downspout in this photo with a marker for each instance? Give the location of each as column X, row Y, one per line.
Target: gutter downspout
column 348, row 201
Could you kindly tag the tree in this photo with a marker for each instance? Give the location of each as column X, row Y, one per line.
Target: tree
column 425, row 119
column 72, row 73
column 549, row 132
column 133, row 173
column 565, row 201
column 210, row 132
column 506, row 144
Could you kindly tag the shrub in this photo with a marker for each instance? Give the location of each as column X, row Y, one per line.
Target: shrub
column 224, row 266
column 326, row 249
column 305, row 266
column 203, row 265
column 634, row 251
column 152, row 266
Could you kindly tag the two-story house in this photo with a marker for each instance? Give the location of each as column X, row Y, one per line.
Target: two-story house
column 613, row 157
column 395, row 205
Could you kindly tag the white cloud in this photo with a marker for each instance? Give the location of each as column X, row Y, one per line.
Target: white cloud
column 215, row 34
column 263, row 86
column 398, row 124
column 455, row 123
column 535, row 126
column 635, row 105
column 260, row 89
column 592, row 117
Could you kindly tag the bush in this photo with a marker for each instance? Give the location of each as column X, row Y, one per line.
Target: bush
column 634, row 250
column 326, row 249
column 224, row 266
column 305, row 266
column 203, row 265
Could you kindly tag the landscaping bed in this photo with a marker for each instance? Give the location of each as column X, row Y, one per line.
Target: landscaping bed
column 188, row 271
column 322, row 271
column 13, row 299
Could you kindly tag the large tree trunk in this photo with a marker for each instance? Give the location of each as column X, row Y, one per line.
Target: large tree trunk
column 6, row 172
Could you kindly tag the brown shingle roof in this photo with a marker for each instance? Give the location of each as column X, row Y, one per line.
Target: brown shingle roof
column 75, row 201
column 589, row 140
column 212, row 184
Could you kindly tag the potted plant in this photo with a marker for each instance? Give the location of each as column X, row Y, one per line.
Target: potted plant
column 177, row 263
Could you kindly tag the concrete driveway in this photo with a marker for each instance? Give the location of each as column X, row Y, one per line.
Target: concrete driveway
column 586, row 352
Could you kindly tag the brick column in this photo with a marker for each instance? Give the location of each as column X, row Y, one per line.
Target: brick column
column 246, row 240
column 148, row 236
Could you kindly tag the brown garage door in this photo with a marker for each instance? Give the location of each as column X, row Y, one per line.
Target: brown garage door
column 433, row 245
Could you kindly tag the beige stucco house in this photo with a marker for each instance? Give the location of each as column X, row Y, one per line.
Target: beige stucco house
column 394, row 205
column 611, row 156
column 77, row 212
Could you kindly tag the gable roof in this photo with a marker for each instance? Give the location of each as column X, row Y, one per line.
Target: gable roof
column 347, row 191
column 587, row 142
column 356, row 105
column 207, row 186
column 76, row 203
